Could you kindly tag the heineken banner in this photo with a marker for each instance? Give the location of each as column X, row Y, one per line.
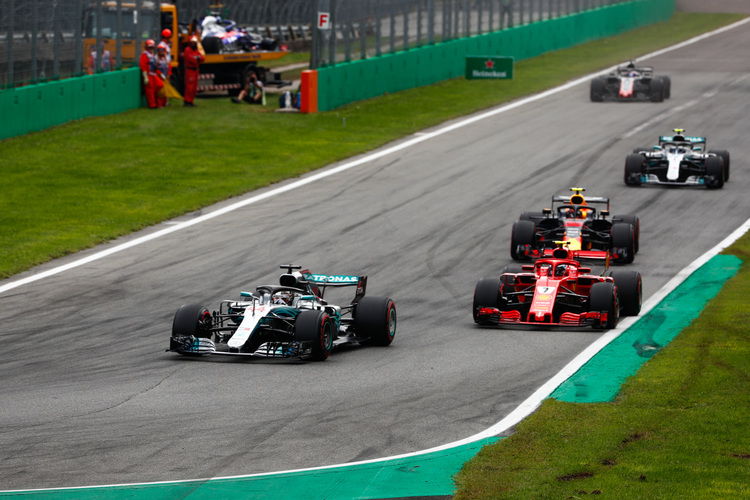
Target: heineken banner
column 484, row 67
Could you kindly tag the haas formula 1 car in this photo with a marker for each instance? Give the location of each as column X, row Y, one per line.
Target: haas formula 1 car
column 289, row 320
column 678, row 160
column 557, row 291
column 631, row 83
column 583, row 222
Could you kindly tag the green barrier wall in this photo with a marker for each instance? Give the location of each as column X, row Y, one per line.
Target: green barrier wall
column 348, row 82
column 37, row 107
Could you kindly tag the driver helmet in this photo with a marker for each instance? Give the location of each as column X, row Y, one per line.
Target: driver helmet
column 561, row 269
column 283, row 298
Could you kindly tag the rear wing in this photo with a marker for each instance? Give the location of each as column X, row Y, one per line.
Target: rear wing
column 332, row 279
column 589, row 200
column 685, row 138
column 317, row 283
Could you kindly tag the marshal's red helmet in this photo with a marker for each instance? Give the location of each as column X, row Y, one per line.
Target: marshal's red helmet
column 166, row 33
column 150, row 44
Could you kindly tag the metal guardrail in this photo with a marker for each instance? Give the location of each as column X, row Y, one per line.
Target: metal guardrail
column 43, row 40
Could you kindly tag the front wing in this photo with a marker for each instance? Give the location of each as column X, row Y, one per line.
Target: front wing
column 198, row 346
column 494, row 316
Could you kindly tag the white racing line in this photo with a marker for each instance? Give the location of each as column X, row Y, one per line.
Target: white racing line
column 533, row 402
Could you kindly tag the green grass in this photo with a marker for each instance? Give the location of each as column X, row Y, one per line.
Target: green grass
column 74, row 186
column 678, row 428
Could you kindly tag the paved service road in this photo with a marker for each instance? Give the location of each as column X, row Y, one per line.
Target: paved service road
column 89, row 396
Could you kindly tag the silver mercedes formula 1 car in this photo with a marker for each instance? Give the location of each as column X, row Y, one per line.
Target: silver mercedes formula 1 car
column 680, row 160
column 288, row 320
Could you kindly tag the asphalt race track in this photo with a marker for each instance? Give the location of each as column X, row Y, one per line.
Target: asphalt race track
column 88, row 395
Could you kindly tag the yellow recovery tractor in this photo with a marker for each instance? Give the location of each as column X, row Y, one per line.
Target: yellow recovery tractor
column 231, row 52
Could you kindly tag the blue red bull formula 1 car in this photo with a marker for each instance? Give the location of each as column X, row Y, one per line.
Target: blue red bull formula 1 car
column 288, row 320
column 584, row 222
column 557, row 291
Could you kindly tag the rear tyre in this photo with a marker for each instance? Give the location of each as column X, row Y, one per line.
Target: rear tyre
column 622, row 242
column 714, row 172
column 657, row 90
column 486, row 294
column 629, row 291
column 633, row 169
column 724, row 156
column 603, row 298
column 315, row 327
column 523, row 235
column 597, row 89
column 634, row 221
column 375, row 317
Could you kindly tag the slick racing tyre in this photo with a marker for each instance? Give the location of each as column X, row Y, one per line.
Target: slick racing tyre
column 523, row 235
column 629, row 291
column 666, row 83
column 714, row 172
column 657, row 90
column 603, row 298
column 486, row 294
column 633, row 169
column 597, row 89
column 315, row 327
column 724, row 156
column 192, row 320
column 212, row 45
column 634, row 221
column 622, row 242
column 375, row 317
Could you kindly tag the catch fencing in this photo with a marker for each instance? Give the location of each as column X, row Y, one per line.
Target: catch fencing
column 44, row 40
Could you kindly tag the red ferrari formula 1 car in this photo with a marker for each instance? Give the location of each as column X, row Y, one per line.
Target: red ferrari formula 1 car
column 559, row 292
column 583, row 222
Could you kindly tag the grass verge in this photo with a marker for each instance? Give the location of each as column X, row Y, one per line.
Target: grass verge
column 77, row 185
column 678, row 428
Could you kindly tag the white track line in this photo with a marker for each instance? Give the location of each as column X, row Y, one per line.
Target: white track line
column 532, row 402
